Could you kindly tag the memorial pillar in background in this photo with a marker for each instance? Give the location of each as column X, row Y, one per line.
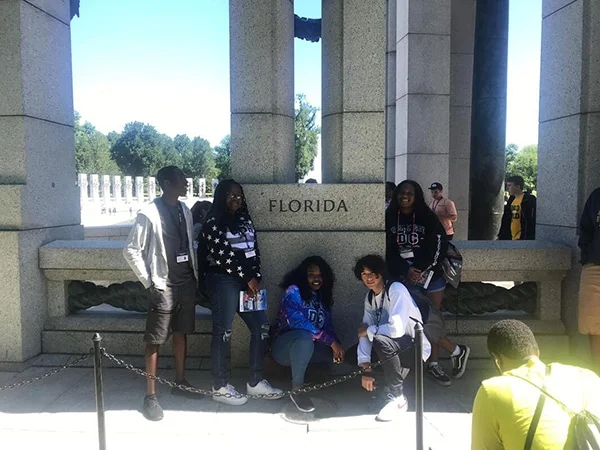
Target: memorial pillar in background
column 261, row 41
column 488, row 124
column 354, row 52
column 39, row 196
column 569, row 134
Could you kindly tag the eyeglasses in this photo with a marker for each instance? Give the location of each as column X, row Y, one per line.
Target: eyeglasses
column 369, row 275
column 234, row 197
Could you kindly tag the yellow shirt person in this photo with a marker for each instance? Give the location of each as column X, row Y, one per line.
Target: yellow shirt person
column 515, row 218
column 505, row 405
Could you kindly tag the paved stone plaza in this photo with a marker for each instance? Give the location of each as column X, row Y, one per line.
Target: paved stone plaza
column 59, row 413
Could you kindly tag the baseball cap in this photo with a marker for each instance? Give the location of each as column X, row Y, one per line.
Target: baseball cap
column 435, row 186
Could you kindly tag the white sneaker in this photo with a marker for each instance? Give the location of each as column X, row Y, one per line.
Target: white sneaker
column 264, row 388
column 394, row 408
column 234, row 398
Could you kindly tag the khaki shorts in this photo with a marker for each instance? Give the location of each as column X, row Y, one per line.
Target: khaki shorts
column 589, row 300
column 171, row 311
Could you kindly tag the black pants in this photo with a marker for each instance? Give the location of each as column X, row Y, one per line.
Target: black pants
column 383, row 348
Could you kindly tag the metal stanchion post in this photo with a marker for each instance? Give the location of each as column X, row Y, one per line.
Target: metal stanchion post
column 99, row 392
column 419, row 383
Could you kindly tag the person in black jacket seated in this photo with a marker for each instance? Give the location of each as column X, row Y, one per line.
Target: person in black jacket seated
column 416, row 245
column 233, row 265
column 518, row 220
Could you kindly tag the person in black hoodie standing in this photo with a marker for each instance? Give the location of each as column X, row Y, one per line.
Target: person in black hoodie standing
column 518, row 220
column 416, row 245
column 589, row 289
column 233, row 265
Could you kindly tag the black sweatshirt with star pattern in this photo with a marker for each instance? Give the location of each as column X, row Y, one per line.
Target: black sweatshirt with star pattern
column 227, row 251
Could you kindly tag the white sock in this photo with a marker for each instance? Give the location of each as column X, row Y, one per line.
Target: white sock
column 456, row 351
column 433, row 363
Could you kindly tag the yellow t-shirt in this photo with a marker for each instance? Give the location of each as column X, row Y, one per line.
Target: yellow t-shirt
column 504, row 406
column 515, row 222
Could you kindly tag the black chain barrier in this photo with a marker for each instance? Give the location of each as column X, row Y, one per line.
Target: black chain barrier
column 47, row 374
column 100, row 352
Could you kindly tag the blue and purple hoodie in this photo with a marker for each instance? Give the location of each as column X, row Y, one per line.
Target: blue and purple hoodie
column 297, row 314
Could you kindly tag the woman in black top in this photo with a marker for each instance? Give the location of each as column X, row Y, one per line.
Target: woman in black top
column 232, row 265
column 416, row 245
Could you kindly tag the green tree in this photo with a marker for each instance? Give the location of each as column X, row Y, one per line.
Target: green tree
column 92, row 150
column 525, row 164
column 511, row 151
column 306, row 136
column 140, row 150
column 223, row 158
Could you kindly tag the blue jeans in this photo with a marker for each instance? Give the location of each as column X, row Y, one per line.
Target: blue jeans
column 224, row 292
column 297, row 349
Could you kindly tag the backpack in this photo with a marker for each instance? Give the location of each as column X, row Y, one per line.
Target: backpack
column 452, row 266
column 584, row 428
column 422, row 304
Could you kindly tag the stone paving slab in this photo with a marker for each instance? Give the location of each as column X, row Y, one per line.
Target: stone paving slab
column 59, row 412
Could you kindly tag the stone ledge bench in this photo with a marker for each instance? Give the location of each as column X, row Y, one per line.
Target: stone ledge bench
column 64, row 261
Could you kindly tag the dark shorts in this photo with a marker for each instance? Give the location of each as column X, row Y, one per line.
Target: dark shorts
column 171, row 311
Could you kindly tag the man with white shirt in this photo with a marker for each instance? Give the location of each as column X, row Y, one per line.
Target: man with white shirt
column 389, row 319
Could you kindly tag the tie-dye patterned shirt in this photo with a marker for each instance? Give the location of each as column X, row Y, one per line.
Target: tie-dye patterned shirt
column 297, row 314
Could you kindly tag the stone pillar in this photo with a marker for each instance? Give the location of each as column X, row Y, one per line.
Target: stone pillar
column 95, row 183
column 117, row 189
column 39, row 196
column 461, row 88
column 105, row 188
column 353, row 137
column 569, row 137
column 488, row 128
column 128, row 190
column 139, row 189
column 423, row 91
column 262, row 90
column 390, row 96
column 82, row 182
column 201, row 187
column 151, row 188
column 190, row 187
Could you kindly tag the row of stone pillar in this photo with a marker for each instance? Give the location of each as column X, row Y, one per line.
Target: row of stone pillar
column 110, row 188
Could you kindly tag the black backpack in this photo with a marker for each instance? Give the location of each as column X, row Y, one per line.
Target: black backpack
column 422, row 304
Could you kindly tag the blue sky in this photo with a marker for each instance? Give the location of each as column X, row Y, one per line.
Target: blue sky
column 169, row 65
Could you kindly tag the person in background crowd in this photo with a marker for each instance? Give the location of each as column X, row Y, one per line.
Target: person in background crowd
column 388, row 326
column 505, row 405
column 589, row 289
column 233, row 266
column 443, row 207
column 389, row 191
column 199, row 213
column 518, row 220
column 416, row 244
column 303, row 332
column 160, row 250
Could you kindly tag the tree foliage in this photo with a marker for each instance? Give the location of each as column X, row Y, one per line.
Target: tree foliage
column 92, row 150
column 223, row 158
column 306, row 136
column 523, row 162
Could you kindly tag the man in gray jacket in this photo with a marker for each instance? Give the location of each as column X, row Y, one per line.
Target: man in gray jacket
column 160, row 250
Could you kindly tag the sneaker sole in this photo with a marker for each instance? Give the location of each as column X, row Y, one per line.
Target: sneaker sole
column 464, row 367
column 230, row 401
column 275, row 397
column 301, row 409
column 151, row 419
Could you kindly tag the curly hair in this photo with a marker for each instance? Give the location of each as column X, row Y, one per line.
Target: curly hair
column 512, row 339
column 299, row 277
column 374, row 263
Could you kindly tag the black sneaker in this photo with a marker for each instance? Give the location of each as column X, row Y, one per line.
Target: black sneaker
column 152, row 410
column 459, row 362
column 303, row 402
column 437, row 373
column 184, row 393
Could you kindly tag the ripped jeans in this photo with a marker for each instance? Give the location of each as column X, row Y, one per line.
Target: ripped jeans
column 224, row 292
